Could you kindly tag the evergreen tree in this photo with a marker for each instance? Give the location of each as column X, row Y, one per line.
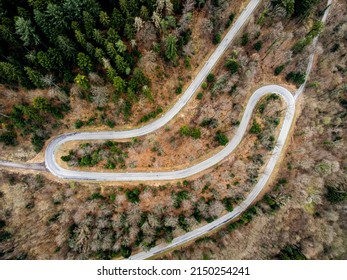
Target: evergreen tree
column 34, row 76
column 171, row 49
column 26, row 32
column 66, row 46
column 9, row 73
column 84, row 62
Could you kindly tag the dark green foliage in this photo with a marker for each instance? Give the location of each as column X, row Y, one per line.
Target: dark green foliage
column 9, row 138
column 2, row 224
column 233, row 89
column 151, row 115
column 79, row 124
column 297, row 78
column 133, row 195
column 190, row 131
column 221, row 138
column 38, row 142
column 291, row 252
column 271, row 202
column 210, row 78
column 199, row 96
column 84, row 62
column 335, row 194
column 228, row 203
column 209, row 122
column 255, row 128
column 9, row 73
column 5, row 235
column 125, row 251
column 179, row 89
column 279, row 69
column 66, row 158
column 244, row 39
column 232, row 65
column 230, row 20
column 303, row 7
column 179, row 197
column 183, row 223
column 217, row 39
column 171, row 48
column 95, row 196
column 258, row 45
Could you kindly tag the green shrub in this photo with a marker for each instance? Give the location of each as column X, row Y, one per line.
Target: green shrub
column 95, row 196
column 291, row 252
column 228, row 203
column 209, row 122
column 210, row 78
column 244, row 39
column 5, row 235
column 296, row 77
column 217, row 39
column 66, row 158
column 133, row 195
column 232, row 65
column 258, row 45
column 125, row 251
column 204, row 85
column 79, row 124
column 279, row 69
column 38, row 142
column 179, row 89
column 110, row 123
column 9, row 138
column 221, row 138
column 2, row 223
column 256, row 128
column 189, row 131
column 335, row 195
column 199, row 96
column 151, row 115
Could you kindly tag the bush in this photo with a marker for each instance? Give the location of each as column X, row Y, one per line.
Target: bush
column 245, row 39
column 2, row 223
column 279, row 69
column 204, row 85
column 151, row 115
column 133, row 195
column 5, row 235
column 291, row 252
column 228, row 204
column 210, row 78
column 199, row 96
column 232, row 65
column 79, row 124
column 192, row 132
column 221, row 138
column 9, row 138
column 209, row 122
column 258, row 45
column 179, row 89
column 125, row 251
column 296, row 77
column 256, row 128
column 38, row 142
column 335, row 195
column 183, row 223
column 95, row 196
column 217, row 39
column 66, row 158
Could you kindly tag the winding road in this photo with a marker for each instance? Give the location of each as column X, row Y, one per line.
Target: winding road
column 55, row 169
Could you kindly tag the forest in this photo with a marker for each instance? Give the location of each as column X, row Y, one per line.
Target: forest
column 53, row 44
